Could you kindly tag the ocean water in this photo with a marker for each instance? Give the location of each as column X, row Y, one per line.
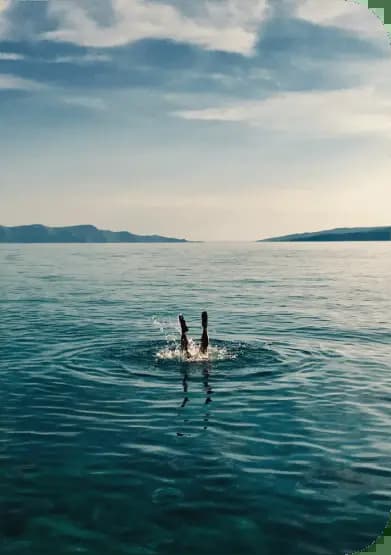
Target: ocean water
column 111, row 443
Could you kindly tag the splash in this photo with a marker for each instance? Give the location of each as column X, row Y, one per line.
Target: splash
column 172, row 350
column 168, row 328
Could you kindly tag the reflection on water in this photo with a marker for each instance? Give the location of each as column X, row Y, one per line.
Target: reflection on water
column 207, row 389
column 111, row 443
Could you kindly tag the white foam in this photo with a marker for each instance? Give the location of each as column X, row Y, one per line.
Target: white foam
column 174, row 352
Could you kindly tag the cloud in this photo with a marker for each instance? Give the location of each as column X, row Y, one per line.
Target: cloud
column 82, row 60
column 318, row 114
column 91, row 103
column 10, row 56
column 13, row 82
column 346, row 14
column 4, row 5
column 228, row 25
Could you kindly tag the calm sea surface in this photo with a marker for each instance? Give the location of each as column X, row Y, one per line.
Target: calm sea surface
column 112, row 445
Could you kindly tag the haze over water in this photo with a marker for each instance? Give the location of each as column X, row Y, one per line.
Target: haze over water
column 111, row 444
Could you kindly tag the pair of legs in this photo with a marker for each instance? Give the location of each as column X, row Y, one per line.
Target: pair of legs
column 204, row 337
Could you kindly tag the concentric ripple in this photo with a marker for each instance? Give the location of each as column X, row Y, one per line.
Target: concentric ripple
column 112, row 442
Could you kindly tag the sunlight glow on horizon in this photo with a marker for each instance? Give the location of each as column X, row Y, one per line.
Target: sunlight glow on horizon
column 239, row 122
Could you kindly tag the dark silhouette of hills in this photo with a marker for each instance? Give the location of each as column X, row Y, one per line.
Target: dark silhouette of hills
column 75, row 234
column 338, row 234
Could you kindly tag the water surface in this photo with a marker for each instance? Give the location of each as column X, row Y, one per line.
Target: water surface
column 110, row 444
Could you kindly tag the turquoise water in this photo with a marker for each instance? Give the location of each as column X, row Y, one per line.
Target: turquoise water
column 111, row 444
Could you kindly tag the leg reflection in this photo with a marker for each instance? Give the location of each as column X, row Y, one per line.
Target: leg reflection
column 185, row 388
column 207, row 386
column 206, row 373
column 208, row 392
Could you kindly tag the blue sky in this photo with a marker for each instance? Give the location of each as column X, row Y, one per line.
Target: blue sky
column 212, row 120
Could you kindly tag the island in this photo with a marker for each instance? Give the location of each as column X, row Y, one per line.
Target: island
column 338, row 234
column 38, row 233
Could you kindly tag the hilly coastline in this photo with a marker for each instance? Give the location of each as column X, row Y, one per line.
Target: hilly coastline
column 38, row 233
column 338, row 234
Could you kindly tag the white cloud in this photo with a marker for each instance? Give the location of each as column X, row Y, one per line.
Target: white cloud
column 10, row 56
column 229, row 25
column 346, row 14
column 13, row 82
column 82, row 60
column 316, row 11
column 91, row 103
column 325, row 113
column 4, row 5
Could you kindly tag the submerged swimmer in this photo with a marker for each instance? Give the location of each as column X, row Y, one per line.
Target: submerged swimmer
column 204, row 337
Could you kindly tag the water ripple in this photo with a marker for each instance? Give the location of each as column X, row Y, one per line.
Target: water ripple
column 108, row 447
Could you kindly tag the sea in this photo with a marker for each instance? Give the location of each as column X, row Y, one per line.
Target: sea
column 114, row 443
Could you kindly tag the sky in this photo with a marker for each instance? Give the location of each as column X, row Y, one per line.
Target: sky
column 209, row 120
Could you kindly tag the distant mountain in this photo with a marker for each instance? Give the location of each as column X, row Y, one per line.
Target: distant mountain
column 75, row 234
column 339, row 234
